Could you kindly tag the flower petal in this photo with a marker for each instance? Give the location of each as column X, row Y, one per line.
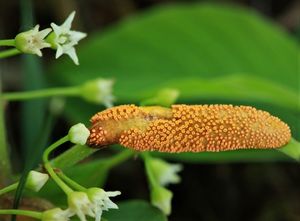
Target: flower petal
column 56, row 29
column 44, row 33
column 81, row 216
column 113, row 193
column 77, row 35
column 68, row 22
column 35, row 30
column 72, row 54
column 59, row 51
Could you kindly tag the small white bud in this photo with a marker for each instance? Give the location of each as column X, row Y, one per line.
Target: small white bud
column 78, row 134
column 161, row 198
column 56, row 214
column 36, row 180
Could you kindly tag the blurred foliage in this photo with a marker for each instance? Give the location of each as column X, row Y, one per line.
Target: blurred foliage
column 211, row 53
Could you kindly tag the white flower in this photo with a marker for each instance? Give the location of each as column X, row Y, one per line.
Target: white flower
column 63, row 39
column 78, row 134
column 161, row 198
column 101, row 201
column 165, row 173
column 55, row 214
column 32, row 41
column 80, row 205
column 98, row 91
column 36, row 180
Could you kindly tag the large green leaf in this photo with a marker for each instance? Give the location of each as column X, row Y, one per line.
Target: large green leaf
column 232, row 87
column 135, row 210
column 210, row 53
column 291, row 150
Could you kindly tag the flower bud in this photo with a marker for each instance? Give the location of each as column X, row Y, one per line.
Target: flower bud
column 165, row 97
column 165, row 173
column 36, row 180
column 56, row 214
column 78, row 134
column 98, row 91
column 161, row 198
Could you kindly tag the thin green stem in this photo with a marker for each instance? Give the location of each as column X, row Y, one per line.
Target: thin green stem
column 54, row 146
column 152, row 181
column 49, row 168
column 33, row 214
column 7, row 42
column 64, row 91
column 9, row 53
column 57, row 180
column 5, row 166
column 71, row 182
column 9, row 188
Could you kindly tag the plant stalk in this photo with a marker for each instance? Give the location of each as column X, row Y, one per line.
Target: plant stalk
column 33, row 214
column 7, row 42
column 49, row 168
column 67, row 91
column 9, row 53
column 9, row 188
column 5, row 166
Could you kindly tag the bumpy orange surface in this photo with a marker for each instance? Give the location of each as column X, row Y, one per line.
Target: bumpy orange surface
column 188, row 128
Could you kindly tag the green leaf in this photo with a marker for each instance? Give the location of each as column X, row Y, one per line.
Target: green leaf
column 238, row 87
column 210, row 53
column 291, row 150
column 90, row 174
column 72, row 156
column 135, row 210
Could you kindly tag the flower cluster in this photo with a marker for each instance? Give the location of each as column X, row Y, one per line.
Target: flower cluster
column 91, row 202
column 60, row 38
column 82, row 202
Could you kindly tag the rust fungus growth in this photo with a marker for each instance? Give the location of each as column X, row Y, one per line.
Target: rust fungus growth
column 188, row 128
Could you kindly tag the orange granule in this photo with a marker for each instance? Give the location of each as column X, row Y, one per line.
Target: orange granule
column 188, row 128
